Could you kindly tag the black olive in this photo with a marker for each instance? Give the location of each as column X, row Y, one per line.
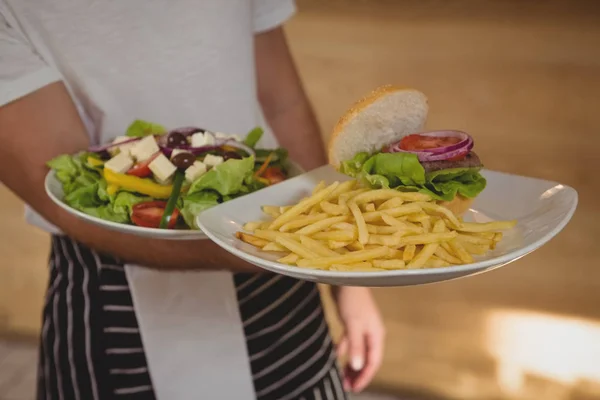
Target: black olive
column 231, row 154
column 176, row 139
column 183, row 160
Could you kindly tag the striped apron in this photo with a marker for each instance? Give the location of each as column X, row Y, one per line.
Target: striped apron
column 91, row 348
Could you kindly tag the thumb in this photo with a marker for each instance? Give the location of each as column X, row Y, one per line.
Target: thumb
column 356, row 348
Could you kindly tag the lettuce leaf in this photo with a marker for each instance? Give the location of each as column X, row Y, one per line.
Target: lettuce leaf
column 233, row 178
column 226, row 179
column 253, row 137
column 124, row 202
column 85, row 189
column 403, row 171
column 140, row 128
column 196, row 203
column 74, row 172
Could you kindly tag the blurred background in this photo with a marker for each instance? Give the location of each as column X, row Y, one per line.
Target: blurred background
column 522, row 76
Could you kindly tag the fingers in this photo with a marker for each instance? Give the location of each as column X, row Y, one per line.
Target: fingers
column 374, row 357
column 356, row 346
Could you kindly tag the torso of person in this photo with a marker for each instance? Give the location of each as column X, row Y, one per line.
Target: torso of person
column 176, row 63
column 183, row 63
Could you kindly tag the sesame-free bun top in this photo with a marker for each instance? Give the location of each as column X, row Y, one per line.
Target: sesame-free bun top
column 383, row 117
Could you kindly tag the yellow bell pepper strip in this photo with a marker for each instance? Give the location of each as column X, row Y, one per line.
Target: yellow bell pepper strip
column 94, row 162
column 263, row 181
column 264, row 166
column 112, row 189
column 140, row 185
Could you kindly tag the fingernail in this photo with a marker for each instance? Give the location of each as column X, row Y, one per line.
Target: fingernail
column 357, row 363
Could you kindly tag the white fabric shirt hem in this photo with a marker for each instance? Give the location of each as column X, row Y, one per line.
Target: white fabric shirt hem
column 274, row 16
column 15, row 89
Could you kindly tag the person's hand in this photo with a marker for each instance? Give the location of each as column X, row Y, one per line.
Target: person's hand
column 362, row 341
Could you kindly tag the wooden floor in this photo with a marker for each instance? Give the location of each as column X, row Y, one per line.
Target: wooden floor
column 524, row 79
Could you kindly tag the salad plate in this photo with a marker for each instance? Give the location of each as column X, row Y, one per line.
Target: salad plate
column 153, row 182
column 540, row 208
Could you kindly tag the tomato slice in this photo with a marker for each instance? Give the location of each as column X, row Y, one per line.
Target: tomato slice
column 142, row 170
column 274, row 175
column 422, row 142
column 149, row 213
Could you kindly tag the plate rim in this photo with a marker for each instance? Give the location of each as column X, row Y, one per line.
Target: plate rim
column 156, row 233
column 131, row 229
column 498, row 261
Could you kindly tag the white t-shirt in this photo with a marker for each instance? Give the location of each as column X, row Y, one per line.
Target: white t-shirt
column 177, row 63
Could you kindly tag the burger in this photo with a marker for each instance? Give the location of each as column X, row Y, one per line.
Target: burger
column 381, row 141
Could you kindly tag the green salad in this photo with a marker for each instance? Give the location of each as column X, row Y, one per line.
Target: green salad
column 156, row 178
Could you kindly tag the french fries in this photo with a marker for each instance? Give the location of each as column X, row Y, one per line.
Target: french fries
column 346, row 227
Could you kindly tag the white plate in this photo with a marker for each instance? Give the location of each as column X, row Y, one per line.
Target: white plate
column 542, row 209
column 55, row 192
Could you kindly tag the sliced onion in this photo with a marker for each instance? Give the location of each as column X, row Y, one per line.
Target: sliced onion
column 167, row 151
column 441, row 153
column 104, row 147
column 241, row 146
column 187, row 130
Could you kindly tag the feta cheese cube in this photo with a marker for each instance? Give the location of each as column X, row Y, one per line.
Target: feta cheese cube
column 213, row 161
column 119, row 163
column 145, row 148
column 195, row 171
column 167, row 181
column 162, row 168
column 125, row 148
column 200, row 139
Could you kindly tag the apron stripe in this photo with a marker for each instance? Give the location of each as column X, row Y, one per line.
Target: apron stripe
column 86, row 320
column 289, row 317
column 69, row 295
column 290, row 356
column 290, row 349
column 136, row 389
column 259, row 290
column 92, row 349
column 130, row 371
column 118, row 308
column 265, row 311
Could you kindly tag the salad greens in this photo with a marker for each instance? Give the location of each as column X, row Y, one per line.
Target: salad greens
column 403, row 171
column 90, row 188
column 141, row 128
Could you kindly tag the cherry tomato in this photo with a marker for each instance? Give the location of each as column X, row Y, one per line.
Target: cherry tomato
column 142, row 169
column 274, row 175
column 149, row 213
column 422, row 142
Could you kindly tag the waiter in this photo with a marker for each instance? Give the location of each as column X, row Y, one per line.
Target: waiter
column 133, row 318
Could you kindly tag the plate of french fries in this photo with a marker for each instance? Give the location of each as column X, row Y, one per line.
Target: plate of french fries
column 326, row 227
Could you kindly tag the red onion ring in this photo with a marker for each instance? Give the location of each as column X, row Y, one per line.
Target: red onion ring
column 241, row 146
column 167, row 151
column 441, row 153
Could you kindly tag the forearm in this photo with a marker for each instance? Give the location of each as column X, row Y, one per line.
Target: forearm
column 152, row 253
column 55, row 128
column 284, row 101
